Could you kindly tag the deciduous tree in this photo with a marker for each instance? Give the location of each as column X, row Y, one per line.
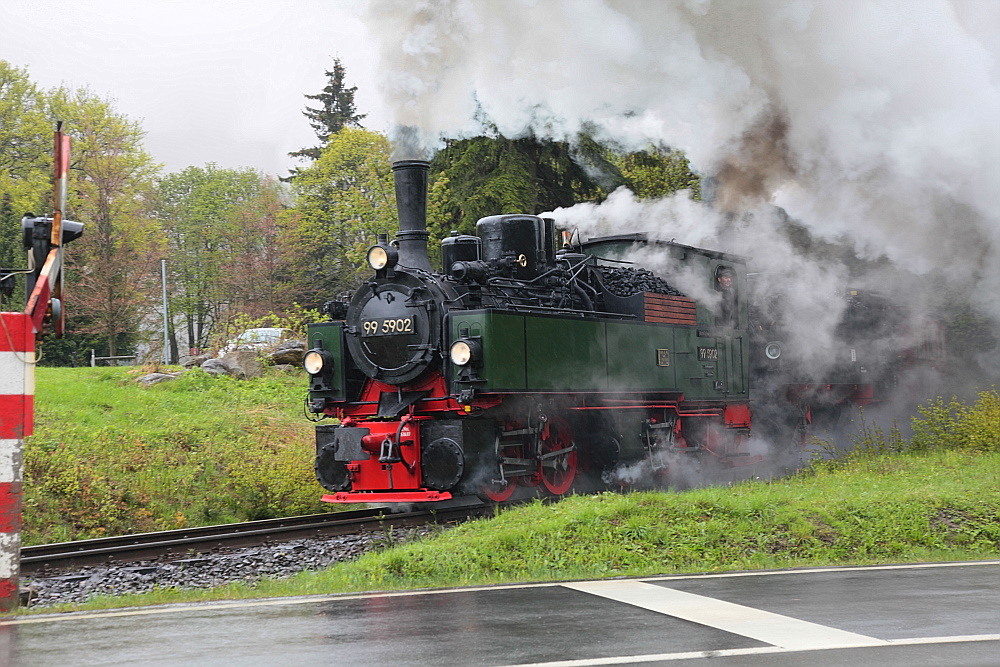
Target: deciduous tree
column 25, row 169
column 341, row 202
column 224, row 256
column 112, row 269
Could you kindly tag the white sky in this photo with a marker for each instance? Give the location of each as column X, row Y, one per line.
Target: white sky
column 210, row 80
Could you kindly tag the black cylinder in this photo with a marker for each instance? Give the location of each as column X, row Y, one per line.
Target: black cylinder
column 411, row 204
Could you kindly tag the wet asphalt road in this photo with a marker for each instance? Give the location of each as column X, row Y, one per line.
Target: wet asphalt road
column 947, row 614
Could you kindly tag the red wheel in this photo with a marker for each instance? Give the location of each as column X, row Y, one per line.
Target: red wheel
column 558, row 457
column 498, row 493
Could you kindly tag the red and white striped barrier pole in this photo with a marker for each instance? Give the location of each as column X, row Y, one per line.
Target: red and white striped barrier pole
column 17, row 380
column 17, row 409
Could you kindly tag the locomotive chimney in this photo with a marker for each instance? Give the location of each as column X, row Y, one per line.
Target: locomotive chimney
column 411, row 204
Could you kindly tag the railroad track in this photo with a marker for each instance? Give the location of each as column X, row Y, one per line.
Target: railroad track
column 189, row 541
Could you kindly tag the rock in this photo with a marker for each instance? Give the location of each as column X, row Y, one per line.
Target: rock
column 285, row 368
column 215, row 367
column 154, row 378
column 193, row 361
column 289, row 352
column 243, row 364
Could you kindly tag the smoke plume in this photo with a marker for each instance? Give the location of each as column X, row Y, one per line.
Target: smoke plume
column 872, row 124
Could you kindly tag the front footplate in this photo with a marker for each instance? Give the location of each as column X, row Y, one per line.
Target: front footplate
column 387, row 497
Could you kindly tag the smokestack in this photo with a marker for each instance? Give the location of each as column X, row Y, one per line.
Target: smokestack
column 411, row 204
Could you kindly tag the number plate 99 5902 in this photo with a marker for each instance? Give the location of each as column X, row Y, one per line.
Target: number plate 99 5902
column 388, row 326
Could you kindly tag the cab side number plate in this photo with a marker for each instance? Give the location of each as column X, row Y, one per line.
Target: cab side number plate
column 708, row 354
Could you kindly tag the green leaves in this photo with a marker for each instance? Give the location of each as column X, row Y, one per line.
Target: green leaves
column 223, row 229
column 956, row 425
column 341, row 202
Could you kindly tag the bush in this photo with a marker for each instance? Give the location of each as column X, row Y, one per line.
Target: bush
column 954, row 425
column 297, row 319
column 942, row 426
column 112, row 457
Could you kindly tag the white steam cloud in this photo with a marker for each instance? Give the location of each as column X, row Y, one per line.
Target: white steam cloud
column 871, row 122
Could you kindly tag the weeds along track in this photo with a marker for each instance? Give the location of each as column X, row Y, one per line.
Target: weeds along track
column 188, row 541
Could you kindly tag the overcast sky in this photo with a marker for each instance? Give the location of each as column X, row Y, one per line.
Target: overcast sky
column 211, row 80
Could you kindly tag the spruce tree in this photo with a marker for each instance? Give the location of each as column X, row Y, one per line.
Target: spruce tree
column 336, row 110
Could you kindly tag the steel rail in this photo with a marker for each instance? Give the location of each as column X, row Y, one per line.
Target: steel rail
column 187, row 542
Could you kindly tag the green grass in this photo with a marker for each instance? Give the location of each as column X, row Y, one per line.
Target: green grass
column 110, row 456
column 208, row 448
column 889, row 508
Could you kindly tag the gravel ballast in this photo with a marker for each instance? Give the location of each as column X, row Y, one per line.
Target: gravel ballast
column 51, row 587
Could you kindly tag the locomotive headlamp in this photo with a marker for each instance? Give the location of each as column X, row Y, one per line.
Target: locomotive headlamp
column 317, row 361
column 772, row 350
column 382, row 257
column 465, row 351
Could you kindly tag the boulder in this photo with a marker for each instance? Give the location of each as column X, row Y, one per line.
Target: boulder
column 289, row 352
column 155, row 378
column 243, row 364
column 195, row 360
column 215, row 367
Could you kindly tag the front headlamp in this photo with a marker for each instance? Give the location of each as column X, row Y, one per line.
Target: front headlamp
column 382, row 257
column 464, row 351
column 772, row 350
column 461, row 353
column 317, row 361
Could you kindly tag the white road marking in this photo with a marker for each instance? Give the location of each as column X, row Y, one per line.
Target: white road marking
column 763, row 650
column 317, row 599
column 783, row 631
column 820, row 570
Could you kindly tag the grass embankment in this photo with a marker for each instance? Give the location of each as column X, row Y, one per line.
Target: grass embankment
column 935, row 497
column 111, row 457
column 882, row 508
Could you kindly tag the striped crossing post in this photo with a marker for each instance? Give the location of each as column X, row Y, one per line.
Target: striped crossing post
column 17, row 397
column 17, row 369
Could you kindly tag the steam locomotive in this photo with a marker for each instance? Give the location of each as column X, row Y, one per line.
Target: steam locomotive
column 518, row 365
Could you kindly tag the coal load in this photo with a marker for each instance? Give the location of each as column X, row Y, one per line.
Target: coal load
column 625, row 281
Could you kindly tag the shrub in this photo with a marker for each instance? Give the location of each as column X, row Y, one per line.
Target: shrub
column 954, row 425
column 950, row 425
column 296, row 320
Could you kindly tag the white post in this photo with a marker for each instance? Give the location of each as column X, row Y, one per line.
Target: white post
column 166, row 335
column 17, row 411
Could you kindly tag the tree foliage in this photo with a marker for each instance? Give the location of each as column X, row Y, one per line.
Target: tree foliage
column 341, row 202
column 25, row 139
column 336, row 110
column 25, row 167
column 492, row 174
column 656, row 172
column 222, row 231
column 112, row 268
